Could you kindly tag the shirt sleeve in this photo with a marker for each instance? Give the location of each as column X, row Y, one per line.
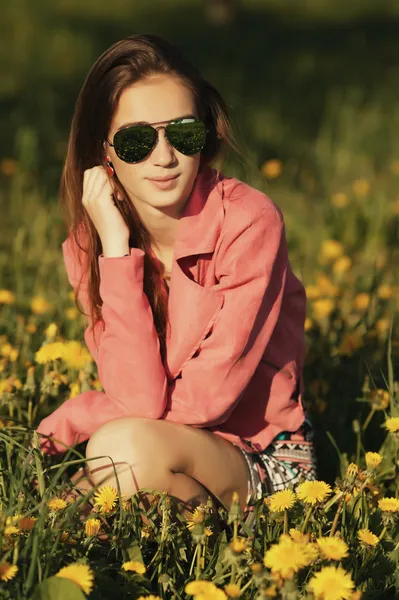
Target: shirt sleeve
column 126, row 347
column 252, row 268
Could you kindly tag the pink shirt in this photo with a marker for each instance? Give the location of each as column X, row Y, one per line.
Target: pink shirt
column 236, row 348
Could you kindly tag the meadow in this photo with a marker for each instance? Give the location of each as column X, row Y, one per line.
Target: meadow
column 314, row 100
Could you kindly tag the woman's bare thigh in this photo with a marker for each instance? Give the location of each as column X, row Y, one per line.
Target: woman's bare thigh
column 152, row 445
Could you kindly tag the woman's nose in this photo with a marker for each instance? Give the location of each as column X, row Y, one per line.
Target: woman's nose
column 163, row 153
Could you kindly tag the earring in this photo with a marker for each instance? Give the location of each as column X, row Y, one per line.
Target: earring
column 110, row 167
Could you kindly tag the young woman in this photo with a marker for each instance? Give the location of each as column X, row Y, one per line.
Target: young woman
column 195, row 318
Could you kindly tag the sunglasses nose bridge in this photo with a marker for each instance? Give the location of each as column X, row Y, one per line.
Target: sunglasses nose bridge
column 166, row 136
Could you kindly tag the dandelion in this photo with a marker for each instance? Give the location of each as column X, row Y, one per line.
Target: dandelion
column 331, row 583
column 333, row 548
column 56, row 504
column 51, row 331
column 352, row 470
column 92, row 526
column 49, row 352
column 282, row 500
column 389, row 504
column 367, row 538
column 232, row 590
column 7, row 571
column 195, row 588
column 8, row 166
column 384, row 292
column 373, row 460
column 382, row 325
column 75, row 355
column 272, row 168
column 286, row 558
column 361, row 301
column 238, row 545
column 331, row 250
column 40, row 306
column 298, row 536
column 197, row 516
column 105, row 498
column 6, row 297
column 379, row 399
column 322, row 308
column 312, row 292
column 342, row 265
column 308, row 324
column 81, row 574
column 351, row 341
column 311, row 492
column 392, row 424
column 135, row 566
column 339, row 200
column 361, row 187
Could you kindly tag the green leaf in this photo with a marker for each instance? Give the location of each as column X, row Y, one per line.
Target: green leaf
column 55, row 588
column 134, row 553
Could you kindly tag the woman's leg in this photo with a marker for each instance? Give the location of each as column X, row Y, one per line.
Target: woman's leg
column 189, row 463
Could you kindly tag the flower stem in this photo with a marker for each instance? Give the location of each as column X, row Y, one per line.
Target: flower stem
column 337, row 514
column 306, row 519
column 285, row 521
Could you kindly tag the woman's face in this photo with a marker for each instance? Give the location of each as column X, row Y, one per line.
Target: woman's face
column 155, row 100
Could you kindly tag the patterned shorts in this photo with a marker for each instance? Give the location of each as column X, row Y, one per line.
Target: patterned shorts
column 289, row 460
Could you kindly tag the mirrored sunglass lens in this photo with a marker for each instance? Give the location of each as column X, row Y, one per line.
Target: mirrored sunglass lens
column 134, row 143
column 187, row 137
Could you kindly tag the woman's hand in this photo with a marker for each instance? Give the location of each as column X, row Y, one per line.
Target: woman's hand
column 98, row 201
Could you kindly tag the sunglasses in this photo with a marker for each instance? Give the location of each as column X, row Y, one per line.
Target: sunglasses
column 135, row 143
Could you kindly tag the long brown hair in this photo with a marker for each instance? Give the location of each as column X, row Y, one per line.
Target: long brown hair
column 124, row 63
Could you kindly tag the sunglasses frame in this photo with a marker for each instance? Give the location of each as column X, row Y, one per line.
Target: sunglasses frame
column 156, row 129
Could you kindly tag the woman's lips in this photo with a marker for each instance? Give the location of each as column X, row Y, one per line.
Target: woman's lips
column 166, row 184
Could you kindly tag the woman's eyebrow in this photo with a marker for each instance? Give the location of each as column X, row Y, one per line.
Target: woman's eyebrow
column 147, row 123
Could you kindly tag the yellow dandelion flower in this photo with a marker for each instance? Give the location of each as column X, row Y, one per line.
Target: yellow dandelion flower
column 92, row 526
column 389, row 504
column 352, row 470
column 384, row 292
column 308, row 324
column 331, row 583
column 31, row 328
column 133, row 565
column 351, row 341
column 342, row 265
column 105, row 498
column 367, row 538
column 312, row 292
column 361, row 301
column 57, row 504
column 286, row 558
column 49, row 352
column 51, row 331
column 197, row 516
column 298, row 536
column 270, row 591
column 208, row 531
column 272, row 168
column 232, row 590
column 311, row 492
column 150, row 597
column 194, row 588
column 331, row 250
column 332, row 548
column 238, row 545
column 11, row 530
column 75, row 355
column 373, row 460
column 40, row 306
column 339, row 200
column 7, row 571
column 81, row 574
column 6, row 297
column 322, row 308
column 361, row 187
column 392, row 424
column 382, row 325
column 282, row 500
column 379, row 399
